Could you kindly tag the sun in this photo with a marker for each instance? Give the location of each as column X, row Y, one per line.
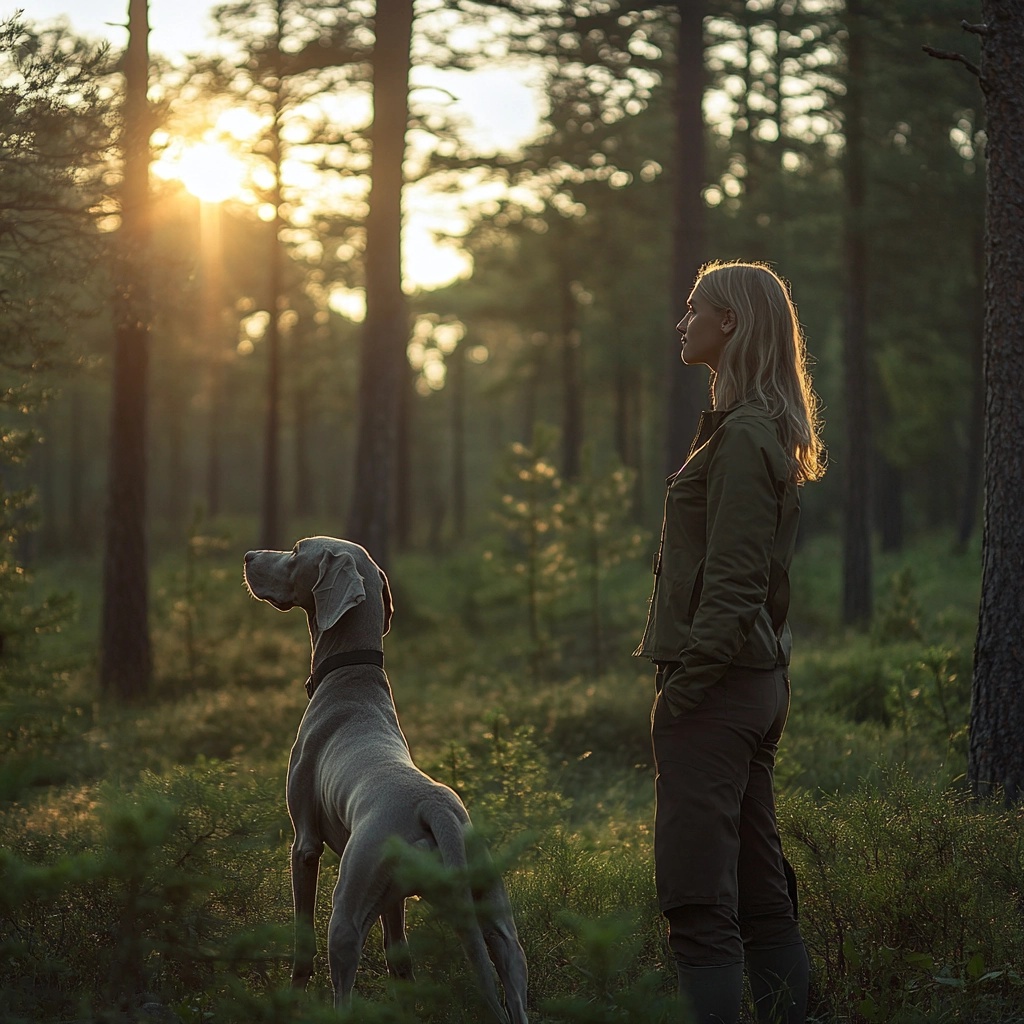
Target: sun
column 207, row 169
column 211, row 172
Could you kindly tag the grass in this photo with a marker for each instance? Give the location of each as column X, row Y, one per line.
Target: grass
column 145, row 848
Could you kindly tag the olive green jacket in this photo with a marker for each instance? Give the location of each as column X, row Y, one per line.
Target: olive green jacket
column 721, row 583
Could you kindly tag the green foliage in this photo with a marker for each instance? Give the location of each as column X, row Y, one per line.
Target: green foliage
column 533, row 516
column 52, row 124
column 561, row 541
column 153, row 888
column 900, row 696
column 898, row 617
column 608, row 950
column 600, row 521
column 506, row 780
column 195, row 635
column 904, row 889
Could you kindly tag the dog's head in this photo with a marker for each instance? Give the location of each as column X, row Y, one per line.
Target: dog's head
column 325, row 576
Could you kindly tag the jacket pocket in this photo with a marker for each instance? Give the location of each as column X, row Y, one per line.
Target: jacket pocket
column 777, row 602
column 696, row 589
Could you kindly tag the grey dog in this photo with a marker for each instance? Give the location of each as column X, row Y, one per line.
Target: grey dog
column 352, row 783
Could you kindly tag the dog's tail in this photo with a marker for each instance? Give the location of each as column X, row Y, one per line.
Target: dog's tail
column 448, row 825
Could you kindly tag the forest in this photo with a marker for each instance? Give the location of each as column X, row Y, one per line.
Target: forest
column 297, row 283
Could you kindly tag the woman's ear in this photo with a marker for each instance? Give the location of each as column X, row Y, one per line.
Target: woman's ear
column 728, row 321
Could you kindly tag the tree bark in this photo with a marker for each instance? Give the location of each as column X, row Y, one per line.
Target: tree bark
column 213, row 332
column 403, row 514
column 386, row 328
column 572, row 374
column 125, row 654
column 81, row 533
column 686, row 386
column 303, row 444
column 996, row 756
column 176, row 474
column 857, row 596
column 270, row 514
column 457, row 382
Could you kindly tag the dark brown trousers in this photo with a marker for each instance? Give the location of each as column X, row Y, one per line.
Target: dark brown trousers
column 721, row 876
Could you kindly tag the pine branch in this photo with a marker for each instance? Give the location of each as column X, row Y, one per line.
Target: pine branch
column 950, row 55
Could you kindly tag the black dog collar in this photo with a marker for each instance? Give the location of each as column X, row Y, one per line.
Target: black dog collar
column 340, row 661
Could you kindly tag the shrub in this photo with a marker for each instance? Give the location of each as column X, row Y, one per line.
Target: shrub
column 902, row 887
column 152, row 890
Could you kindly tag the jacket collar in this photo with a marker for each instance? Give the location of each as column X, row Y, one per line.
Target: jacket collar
column 710, row 420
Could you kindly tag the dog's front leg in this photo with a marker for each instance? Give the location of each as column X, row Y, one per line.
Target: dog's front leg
column 305, row 869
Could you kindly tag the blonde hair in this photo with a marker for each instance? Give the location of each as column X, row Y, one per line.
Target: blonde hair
column 765, row 359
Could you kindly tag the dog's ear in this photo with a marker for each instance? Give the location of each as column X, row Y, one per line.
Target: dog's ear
column 389, row 606
column 338, row 588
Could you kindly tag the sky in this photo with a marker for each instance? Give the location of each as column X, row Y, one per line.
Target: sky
column 499, row 104
column 176, row 26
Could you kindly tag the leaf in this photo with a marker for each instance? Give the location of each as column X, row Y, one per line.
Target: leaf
column 922, row 961
column 868, row 1009
column 975, row 967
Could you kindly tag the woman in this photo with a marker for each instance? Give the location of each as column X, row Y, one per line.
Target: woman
column 717, row 633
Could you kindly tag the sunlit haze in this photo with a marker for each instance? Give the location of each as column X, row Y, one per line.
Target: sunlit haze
column 497, row 106
column 208, row 170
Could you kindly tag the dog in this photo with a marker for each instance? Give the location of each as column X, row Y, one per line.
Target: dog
column 353, row 786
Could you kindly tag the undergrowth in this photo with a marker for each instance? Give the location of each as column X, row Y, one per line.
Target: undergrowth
column 145, row 849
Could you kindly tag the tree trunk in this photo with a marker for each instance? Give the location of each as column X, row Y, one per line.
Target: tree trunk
column 303, row 445
column 213, row 331
column 572, row 376
column 270, row 516
column 176, row 496
column 457, row 381
column 996, row 757
column 47, row 534
column 125, row 654
column 81, row 533
column 889, row 508
column 404, row 461
column 536, row 360
column 386, row 328
column 622, row 386
column 686, row 386
column 857, row 597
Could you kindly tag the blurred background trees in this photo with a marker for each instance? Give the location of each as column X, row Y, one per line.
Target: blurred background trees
column 543, row 269
column 530, row 404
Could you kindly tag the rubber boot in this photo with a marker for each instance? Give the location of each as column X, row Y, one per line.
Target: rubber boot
column 712, row 994
column 778, row 982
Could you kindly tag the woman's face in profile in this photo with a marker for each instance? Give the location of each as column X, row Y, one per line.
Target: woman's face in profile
column 705, row 330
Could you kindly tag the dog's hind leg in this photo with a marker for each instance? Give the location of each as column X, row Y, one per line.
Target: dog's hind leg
column 346, row 935
column 358, row 901
column 305, row 869
column 476, row 952
column 396, row 946
column 509, row 961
